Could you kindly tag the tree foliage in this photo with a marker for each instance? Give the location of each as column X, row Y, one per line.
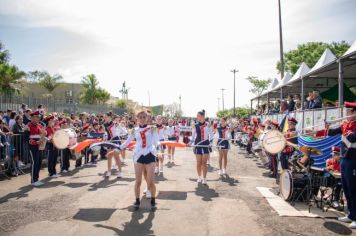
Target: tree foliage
column 92, row 93
column 121, row 103
column 258, row 85
column 241, row 112
column 310, row 53
column 50, row 82
column 10, row 76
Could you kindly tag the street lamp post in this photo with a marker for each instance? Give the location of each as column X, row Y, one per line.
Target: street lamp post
column 281, row 39
column 234, row 71
column 222, row 98
column 218, row 104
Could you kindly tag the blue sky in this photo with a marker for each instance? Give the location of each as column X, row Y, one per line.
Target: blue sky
column 168, row 48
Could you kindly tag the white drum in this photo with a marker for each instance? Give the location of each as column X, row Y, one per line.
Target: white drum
column 286, row 185
column 273, row 141
column 64, row 138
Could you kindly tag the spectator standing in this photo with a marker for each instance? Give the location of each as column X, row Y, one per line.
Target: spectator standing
column 291, row 103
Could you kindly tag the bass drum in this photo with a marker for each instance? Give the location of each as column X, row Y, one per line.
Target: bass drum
column 273, row 141
column 292, row 185
column 64, row 138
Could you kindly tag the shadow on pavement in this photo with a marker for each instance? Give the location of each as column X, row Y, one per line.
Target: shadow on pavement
column 134, row 227
column 94, row 214
column 127, row 179
column 337, row 228
column 76, row 185
column 172, row 195
column 105, row 183
column 206, row 193
column 22, row 193
column 160, row 178
column 227, row 179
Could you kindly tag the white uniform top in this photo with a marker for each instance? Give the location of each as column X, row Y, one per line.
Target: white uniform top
column 172, row 131
column 146, row 142
column 118, row 131
column 162, row 132
column 206, row 133
column 123, row 131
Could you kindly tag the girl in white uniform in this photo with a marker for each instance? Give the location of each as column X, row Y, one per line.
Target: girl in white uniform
column 173, row 135
column 123, row 136
column 115, row 138
column 202, row 135
column 144, row 156
column 162, row 135
column 224, row 135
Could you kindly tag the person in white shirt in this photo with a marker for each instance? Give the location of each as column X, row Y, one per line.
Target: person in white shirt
column 114, row 133
column 173, row 135
column 224, row 134
column 162, row 135
column 144, row 156
column 123, row 136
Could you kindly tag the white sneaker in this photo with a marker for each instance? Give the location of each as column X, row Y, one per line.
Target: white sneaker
column 161, row 170
column 64, row 171
column 208, row 162
column 37, row 184
column 119, row 175
column 223, row 171
column 353, row 225
column 156, row 170
column 54, row 176
column 219, row 172
column 145, row 190
column 204, row 182
column 199, row 180
column 108, row 174
column 114, row 167
column 345, row 219
column 148, row 194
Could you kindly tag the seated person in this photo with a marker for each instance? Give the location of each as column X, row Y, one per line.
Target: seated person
column 333, row 164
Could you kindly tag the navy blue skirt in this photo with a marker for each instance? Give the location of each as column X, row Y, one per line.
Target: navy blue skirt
column 224, row 144
column 149, row 158
column 202, row 150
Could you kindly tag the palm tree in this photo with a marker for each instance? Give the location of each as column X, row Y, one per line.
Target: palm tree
column 90, row 84
column 10, row 79
column 102, row 95
column 50, row 83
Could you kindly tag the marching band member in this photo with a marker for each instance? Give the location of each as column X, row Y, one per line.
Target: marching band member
column 173, row 135
column 223, row 142
column 36, row 132
column 65, row 153
column 292, row 137
column 144, row 156
column 201, row 136
column 52, row 151
column 273, row 125
column 333, row 164
column 162, row 135
column 114, row 135
column 123, row 136
column 348, row 160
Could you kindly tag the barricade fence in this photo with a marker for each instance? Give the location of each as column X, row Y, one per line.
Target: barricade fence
column 55, row 105
column 313, row 119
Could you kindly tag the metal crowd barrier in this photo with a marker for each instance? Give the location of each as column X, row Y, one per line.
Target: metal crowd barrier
column 309, row 118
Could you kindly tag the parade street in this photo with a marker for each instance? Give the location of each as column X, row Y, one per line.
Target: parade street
column 83, row 202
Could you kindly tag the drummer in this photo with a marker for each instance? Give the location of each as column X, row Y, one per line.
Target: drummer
column 273, row 125
column 348, row 160
column 333, row 165
column 292, row 137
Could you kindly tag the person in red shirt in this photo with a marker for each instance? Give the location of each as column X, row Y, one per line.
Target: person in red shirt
column 52, row 151
column 36, row 131
column 333, row 164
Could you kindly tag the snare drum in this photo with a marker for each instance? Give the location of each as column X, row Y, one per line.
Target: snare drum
column 273, row 141
column 64, row 138
column 292, row 185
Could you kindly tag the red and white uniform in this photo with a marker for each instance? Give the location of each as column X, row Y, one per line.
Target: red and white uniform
column 35, row 133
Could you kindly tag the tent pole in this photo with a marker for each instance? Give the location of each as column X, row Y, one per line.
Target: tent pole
column 281, row 93
column 302, row 94
column 251, row 107
column 268, row 103
column 341, row 84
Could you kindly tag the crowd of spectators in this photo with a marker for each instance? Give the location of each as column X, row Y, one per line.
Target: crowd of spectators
column 293, row 103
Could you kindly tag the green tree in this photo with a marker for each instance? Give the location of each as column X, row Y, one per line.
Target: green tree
column 310, row 53
column 240, row 111
column 102, row 96
column 10, row 79
column 121, row 103
column 35, row 76
column 90, row 84
column 258, row 85
column 4, row 54
column 49, row 82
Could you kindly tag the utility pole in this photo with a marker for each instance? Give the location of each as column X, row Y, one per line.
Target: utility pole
column 149, row 99
column 222, row 98
column 234, row 71
column 281, row 39
column 218, row 104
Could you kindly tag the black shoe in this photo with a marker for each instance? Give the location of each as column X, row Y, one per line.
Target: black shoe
column 153, row 206
column 136, row 205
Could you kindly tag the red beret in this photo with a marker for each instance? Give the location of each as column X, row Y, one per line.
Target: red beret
column 275, row 123
column 95, row 123
column 291, row 119
column 335, row 149
column 262, row 124
column 255, row 120
column 86, row 126
column 48, row 118
column 62, row 122
column 350, row 105
column 35, row 113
